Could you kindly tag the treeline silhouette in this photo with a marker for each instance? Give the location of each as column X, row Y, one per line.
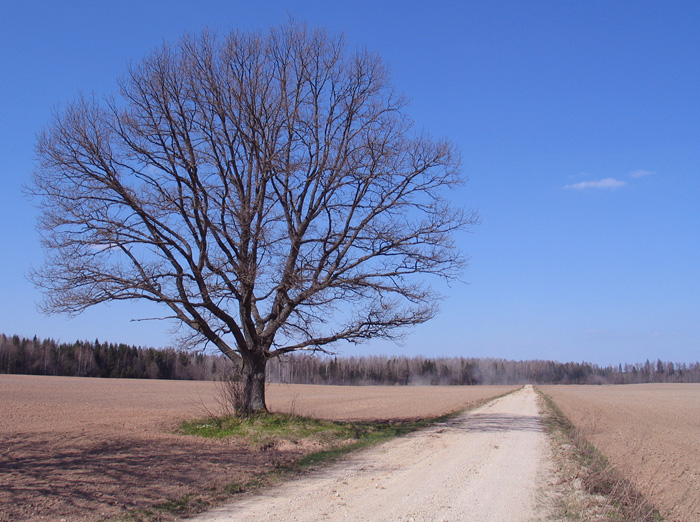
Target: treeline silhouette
column 95, row 359
column 109, row 360
column 382, row 370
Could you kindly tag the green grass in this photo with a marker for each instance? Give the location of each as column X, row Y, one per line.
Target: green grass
column 265, row 426
column 338, row 436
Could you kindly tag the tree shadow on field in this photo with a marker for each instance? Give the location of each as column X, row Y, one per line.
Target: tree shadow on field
column 87, row 480
column 497, row 422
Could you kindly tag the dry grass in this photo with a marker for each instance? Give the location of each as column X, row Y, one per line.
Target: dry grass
column 649, row 432
column 590, row 488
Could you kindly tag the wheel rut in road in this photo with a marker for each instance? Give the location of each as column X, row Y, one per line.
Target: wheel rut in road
column 490, row 464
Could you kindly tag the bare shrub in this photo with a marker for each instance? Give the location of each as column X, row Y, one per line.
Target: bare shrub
column 230, row 393
column 229, row 400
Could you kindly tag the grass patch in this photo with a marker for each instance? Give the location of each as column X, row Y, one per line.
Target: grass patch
column 597, row 491
column 279, row 426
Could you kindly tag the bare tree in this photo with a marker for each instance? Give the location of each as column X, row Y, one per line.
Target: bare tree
column 267, row 188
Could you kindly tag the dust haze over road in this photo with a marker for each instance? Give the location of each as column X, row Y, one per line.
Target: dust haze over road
column 490, row 464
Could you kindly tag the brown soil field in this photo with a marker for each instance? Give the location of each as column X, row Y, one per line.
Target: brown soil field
column 649, row 432
column 84, row 449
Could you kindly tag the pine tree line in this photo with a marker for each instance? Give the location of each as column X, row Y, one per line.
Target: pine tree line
column 95, row 359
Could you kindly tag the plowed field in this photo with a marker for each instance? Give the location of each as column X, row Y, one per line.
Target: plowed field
column 650, row 432
column 85, row 449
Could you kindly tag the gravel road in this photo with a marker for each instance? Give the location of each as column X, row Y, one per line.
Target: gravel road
column 490, row 464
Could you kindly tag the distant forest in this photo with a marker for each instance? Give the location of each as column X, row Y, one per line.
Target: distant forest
column 95, row 359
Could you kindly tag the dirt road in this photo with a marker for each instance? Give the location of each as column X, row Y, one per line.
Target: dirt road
column 490, row 464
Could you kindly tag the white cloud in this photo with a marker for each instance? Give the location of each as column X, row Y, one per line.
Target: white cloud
column 607, row 183
column 641, row 173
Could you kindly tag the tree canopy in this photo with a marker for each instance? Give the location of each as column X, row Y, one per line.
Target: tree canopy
column 267, row 188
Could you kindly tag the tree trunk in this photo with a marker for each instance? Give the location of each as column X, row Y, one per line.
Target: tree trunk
column 254, row 390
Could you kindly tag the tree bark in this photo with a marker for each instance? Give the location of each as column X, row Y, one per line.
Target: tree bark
column 254, row 390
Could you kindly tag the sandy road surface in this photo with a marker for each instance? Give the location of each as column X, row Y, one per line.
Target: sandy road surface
column 486, row 465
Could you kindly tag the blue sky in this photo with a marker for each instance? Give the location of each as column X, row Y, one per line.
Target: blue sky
column 579, row 126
